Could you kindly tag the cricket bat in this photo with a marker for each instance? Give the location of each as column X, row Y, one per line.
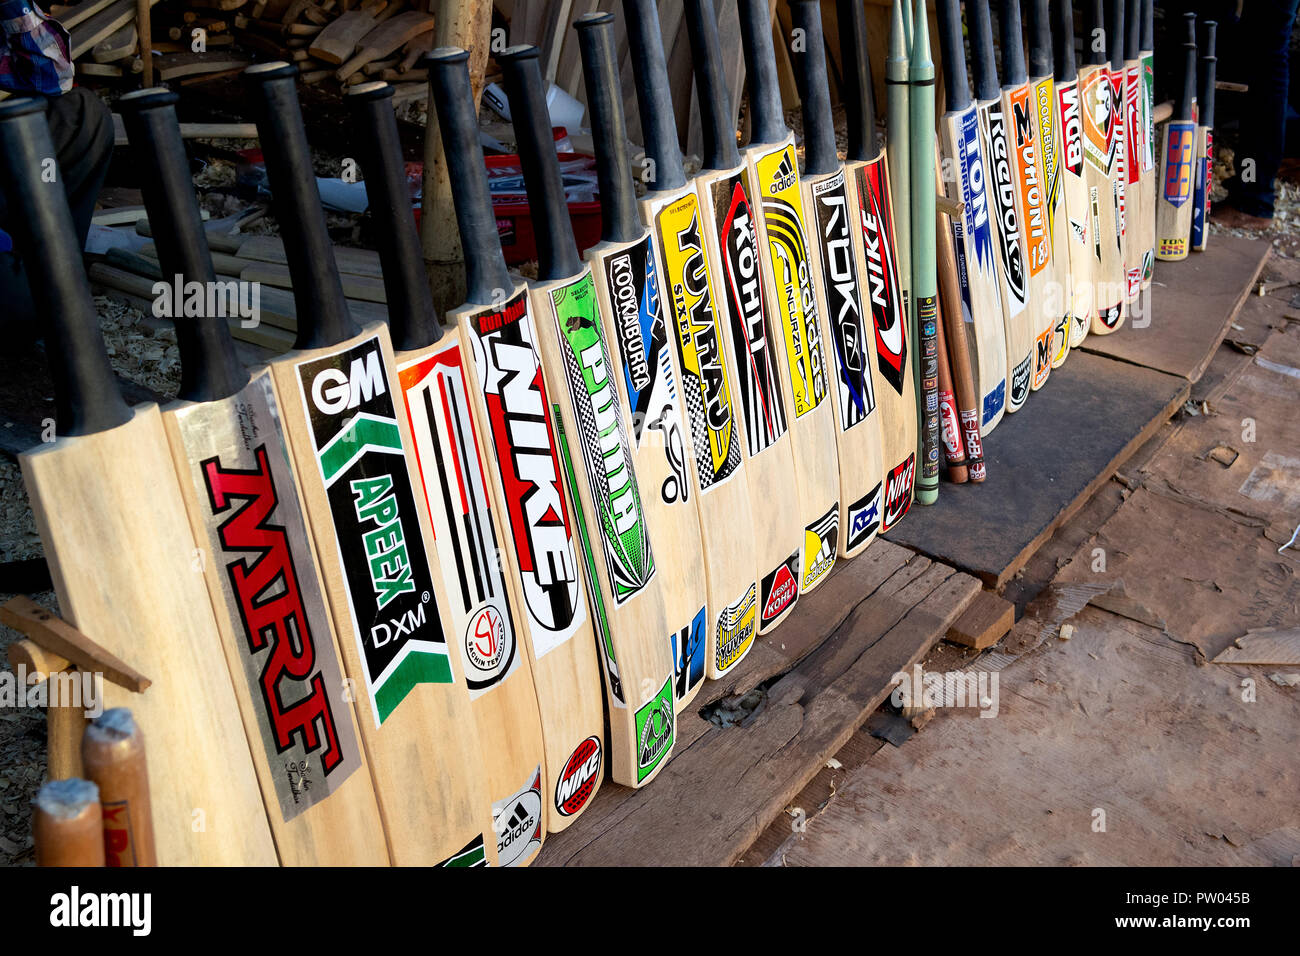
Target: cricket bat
column 108, row 506
column 1013, row 273
column 1177, row 170
column 1020, row 109
column 1147, row 222
column 900, row 163
column 1100, row 145
column 1074, row 186
column 1136, row 204
column 436, row 398
column 244, row 512
column 672, row 210
column 625, row 590
column 1204, row 144
column 838, row 280
column 965, row 174
column 868, row 170
column 750, row 333
column 351, row 448
column 772, row 175
column 1115, row 38
column 1042, row 82
column 626, row 266
column 511, row 402
column 925, row 287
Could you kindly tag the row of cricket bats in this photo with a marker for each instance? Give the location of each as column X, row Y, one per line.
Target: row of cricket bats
column 417, row 585
column 448, row 572
column 1065, row 206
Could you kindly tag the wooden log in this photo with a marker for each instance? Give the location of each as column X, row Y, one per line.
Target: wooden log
column 336, row 42
column 144, row 32
column 415, row 49
column 466, row 24
column 91, row 68
column 357, row 262
column 217, row 241
column 383, row 40
column 379, row 66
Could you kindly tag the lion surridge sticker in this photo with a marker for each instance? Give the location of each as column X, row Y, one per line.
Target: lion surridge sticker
column 526, row 463
column 788, row 260
column 455, row 489
column 707, row 395
column 357, row 444
column 517, row 822
column 655, row 726
column 736, row 629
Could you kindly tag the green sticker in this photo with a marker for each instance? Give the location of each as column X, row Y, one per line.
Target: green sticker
column 606, row 458
column 654, row 732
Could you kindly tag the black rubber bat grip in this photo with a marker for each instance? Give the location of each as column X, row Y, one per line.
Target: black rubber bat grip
column 1206, row 99
column 210, row 369
column 1184, row 110
column 1115, row 34
column 1148, row 25
column 486, row 277
column 1094, row 20
column 1063, row 41
column 720, row 151
column 412, row 318
column 1132, row 29
column 768, row 120
column 1013, row 54
column 957, row 85
column 323, row 317
column 619, row 219
column 858, row 93
column 981, row 50
column 1040, row 39
column 654, row 99
column 557, row 252
column 86, row 396
column 820, row 155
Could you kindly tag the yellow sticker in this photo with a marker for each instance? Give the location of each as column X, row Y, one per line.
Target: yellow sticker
column 736, row 630
column 778, row 184
column 707, row 399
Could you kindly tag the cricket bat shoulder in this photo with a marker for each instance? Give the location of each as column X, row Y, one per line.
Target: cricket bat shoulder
column 241, row 498
column 87, row 499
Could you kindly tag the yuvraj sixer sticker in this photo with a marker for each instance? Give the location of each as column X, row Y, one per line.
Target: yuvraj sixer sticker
column 778, row 182
column 706, row 393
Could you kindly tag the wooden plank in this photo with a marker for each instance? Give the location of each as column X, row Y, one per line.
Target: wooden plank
column 746, row 774
column 1196, row 303
column 80, row 13
column 365, row 288
column 357, row 262
column 984, row 623
column 118, row 45
column 101, row 25
column 336, row 42
column 558, row 25
column 175, row 66
column 1044, row 463
column 55, row 634
column 384, row 39
column 568, row 73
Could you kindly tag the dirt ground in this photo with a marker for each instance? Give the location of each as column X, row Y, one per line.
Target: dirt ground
column 1125, row 744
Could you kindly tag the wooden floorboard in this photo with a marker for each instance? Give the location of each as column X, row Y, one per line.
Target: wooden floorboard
column 1193, row 303
column 1044, row 463
column 724, row 786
